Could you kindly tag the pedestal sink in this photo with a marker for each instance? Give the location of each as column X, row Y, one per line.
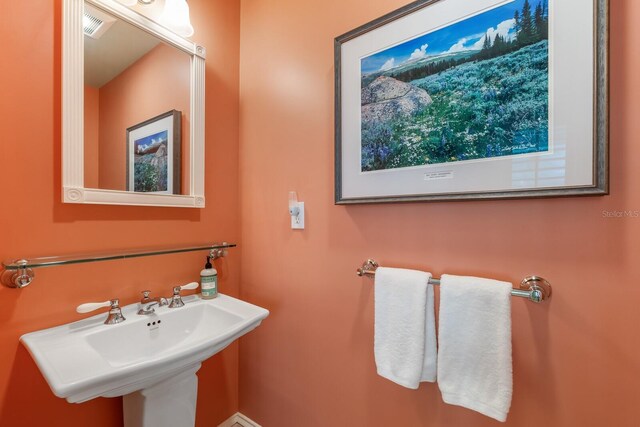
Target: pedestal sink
column 151, row 360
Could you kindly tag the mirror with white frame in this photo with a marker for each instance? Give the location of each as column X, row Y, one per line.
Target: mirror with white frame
column 133, row 109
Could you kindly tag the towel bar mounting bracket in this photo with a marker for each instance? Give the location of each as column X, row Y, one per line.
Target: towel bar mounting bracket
column 539, row 289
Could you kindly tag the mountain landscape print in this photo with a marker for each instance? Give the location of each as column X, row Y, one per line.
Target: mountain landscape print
column 150, row 163
column 476, row 89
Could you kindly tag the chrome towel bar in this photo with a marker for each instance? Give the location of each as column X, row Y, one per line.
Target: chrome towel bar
column 19, row 273
column 533, row 288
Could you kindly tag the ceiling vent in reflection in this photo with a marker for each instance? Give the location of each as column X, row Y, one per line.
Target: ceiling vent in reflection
column 95, row 23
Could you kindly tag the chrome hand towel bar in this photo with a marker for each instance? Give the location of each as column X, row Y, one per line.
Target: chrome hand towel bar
column 533, row 288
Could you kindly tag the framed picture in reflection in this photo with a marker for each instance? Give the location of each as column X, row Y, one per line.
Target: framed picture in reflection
column 454, row 100
column 153, row 155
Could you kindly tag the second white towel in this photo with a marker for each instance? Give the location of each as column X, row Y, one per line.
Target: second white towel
column 474, row 358
column 405, row 334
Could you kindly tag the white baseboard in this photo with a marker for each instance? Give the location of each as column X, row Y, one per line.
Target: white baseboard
column 243, row 420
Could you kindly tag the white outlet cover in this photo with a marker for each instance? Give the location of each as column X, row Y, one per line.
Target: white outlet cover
column 297, row 222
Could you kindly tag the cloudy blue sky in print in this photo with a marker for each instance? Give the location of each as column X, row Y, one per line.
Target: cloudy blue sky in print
column 147, row 141
column 468, row 34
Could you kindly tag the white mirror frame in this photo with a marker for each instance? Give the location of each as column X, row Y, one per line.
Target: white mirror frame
column 73, row 190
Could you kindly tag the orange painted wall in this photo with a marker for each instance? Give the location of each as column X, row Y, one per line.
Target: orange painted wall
column 576, row 359
column 91, row 136
column 156, row 83
column 34, row 222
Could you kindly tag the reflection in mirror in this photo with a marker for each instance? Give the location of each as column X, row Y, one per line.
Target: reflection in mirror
column 136, row 108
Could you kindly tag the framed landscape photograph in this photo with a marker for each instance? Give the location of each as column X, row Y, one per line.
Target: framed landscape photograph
column 153, row 155
column 484, row 99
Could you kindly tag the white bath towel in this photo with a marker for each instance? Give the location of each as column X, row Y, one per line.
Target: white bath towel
column 405, row 333
column 474, row 356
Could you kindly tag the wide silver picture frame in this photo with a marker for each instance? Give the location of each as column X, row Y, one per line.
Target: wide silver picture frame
column 600, row 141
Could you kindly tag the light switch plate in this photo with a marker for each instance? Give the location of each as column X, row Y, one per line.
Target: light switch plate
column 297, row 223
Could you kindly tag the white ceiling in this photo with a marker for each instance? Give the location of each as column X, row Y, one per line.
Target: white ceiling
column 117, row 49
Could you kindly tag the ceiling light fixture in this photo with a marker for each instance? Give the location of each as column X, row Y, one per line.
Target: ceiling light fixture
column 175, row 15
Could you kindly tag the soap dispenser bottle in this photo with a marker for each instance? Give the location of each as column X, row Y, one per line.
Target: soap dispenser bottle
column 209, row 281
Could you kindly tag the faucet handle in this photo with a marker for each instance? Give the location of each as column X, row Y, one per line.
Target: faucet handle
column 145, row 296
column 188, row 286
column 91, row 306
column 115, row 314
column 176, row 300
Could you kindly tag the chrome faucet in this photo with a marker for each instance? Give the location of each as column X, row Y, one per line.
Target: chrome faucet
column 115, row 314
column 148, row 305
column 176, row 299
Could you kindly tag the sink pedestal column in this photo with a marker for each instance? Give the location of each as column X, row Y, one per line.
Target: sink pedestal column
column 169, row 403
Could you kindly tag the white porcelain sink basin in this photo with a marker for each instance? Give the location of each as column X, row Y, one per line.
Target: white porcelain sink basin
column 88, row 359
